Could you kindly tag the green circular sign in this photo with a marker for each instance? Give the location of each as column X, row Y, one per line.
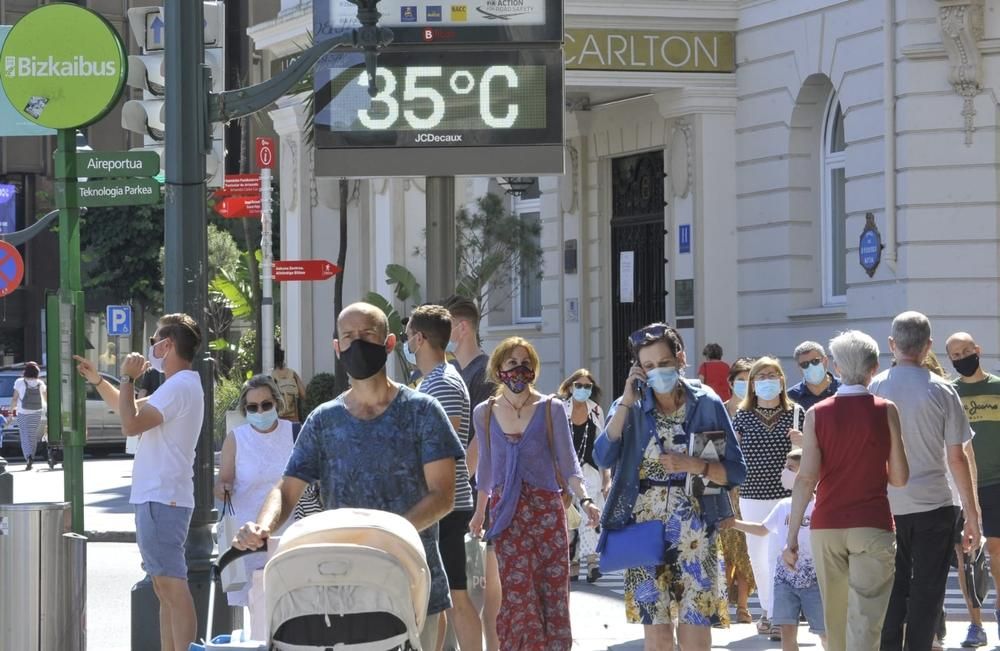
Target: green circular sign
column 63, row 66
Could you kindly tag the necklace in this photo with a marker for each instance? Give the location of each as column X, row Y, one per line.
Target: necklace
column 517, row 410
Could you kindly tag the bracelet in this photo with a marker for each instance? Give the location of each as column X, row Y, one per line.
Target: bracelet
column 586, row 500
column 99, row 382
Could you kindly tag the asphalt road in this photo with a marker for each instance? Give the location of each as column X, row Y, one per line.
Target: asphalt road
column 113, row 568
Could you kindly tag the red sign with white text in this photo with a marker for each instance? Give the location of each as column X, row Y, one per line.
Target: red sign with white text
column 240, row 184
column 265, row 153
column 238, row 206
column 286, row 270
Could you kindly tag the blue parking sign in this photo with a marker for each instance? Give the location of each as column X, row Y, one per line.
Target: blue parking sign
column 119, row 320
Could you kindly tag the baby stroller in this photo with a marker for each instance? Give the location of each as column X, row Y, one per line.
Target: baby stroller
column 345, row 579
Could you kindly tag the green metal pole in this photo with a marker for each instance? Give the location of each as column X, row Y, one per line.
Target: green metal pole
column 69, row 338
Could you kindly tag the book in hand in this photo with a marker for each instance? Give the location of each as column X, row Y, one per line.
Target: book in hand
column 707, row 446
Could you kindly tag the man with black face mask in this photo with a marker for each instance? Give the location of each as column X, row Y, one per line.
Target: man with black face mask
column 380, row 445
column 980, row 393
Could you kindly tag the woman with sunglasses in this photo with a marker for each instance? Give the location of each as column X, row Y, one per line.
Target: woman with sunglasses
column 582, row 397
column 646, row 441
column 768, row 425
column 525, row 459
column 254, row 456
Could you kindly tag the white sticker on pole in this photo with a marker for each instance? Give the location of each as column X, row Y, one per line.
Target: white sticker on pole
column 4, row 526
column 626, row 277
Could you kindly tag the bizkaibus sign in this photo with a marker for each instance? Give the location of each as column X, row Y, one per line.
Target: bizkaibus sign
column 63, row 66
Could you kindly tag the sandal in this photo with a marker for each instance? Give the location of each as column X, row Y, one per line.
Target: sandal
column 763, row 626
column 775, row 633
column 743, row 616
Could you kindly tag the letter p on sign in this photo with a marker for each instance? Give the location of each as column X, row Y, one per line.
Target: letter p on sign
column 119, row 318
column 265, row 153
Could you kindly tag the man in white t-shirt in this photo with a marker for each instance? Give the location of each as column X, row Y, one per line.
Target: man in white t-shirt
column 169, row 423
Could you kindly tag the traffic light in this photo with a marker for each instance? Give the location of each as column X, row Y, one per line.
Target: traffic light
column 147, row 73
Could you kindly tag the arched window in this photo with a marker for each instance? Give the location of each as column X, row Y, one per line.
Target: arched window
column 834, row 209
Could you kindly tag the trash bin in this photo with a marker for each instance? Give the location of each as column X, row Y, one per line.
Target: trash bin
column 43, row 577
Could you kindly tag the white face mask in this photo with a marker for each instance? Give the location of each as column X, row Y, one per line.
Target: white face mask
column 156, row 362
column 788, row 478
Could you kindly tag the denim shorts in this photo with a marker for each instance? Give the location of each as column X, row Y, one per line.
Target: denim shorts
column 789, row 601
column 160, row 531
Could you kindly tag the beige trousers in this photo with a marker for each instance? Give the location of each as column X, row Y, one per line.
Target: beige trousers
column 855, row 568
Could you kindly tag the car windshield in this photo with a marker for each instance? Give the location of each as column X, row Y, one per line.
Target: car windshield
column 7, row 385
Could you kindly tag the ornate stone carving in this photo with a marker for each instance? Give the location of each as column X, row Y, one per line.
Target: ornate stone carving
column 290, row 171
column 313, row 190
column 961, row 30
column 681, row 158
column 569, row 188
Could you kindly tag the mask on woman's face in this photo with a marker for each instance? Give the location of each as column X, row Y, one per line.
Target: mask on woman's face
column 663, row 380
column 582, row 395
column 518, row 378
column 263, row 420
column 788, row 478
column 767, row 389
column 363, row 359
column 740, row 389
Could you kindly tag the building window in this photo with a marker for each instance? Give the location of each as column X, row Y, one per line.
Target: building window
column 834, row 209
column 527, row 297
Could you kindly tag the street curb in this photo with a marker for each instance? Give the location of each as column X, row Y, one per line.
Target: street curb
column 110, row 536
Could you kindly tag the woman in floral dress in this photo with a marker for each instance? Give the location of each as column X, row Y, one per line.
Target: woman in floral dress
column 646, row 441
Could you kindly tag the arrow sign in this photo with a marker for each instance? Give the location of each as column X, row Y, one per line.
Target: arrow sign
column 156, row 29
column 236, row 206
column 287, row 270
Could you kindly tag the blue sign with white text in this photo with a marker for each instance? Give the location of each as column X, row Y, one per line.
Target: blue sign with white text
column 119, row 320
column 684, row 238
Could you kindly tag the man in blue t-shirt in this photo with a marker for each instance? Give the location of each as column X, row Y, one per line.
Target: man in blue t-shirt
column 380, row 445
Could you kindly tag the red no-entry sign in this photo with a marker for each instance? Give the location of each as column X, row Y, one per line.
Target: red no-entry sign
column 11, row 269
column 286, row 270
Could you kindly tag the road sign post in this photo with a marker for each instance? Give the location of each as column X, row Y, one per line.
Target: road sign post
column 265, row 158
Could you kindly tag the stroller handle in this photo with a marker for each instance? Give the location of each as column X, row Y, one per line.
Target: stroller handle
column 231, row 555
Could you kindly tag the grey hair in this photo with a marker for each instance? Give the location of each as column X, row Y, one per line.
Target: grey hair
column 808, row 347
column 911, row 332
column 856, row 356
column 260, row 382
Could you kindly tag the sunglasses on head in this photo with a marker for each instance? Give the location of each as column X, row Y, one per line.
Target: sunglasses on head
column 582, row 385
column 812, row 362
column 648, row 333
column 253, row 407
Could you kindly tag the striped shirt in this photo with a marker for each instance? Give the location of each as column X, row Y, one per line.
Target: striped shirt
column 446, row 385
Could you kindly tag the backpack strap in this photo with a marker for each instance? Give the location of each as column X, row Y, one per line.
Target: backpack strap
column 547, row 405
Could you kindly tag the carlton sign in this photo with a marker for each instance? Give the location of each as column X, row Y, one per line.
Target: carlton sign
column 649, row 50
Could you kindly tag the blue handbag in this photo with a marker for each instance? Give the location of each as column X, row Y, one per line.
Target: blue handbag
column 640, row 544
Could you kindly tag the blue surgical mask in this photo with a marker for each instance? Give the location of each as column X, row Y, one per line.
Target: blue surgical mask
column 740, row 388
column 815, row 374
column 581, row 395
column 663, row 380
column 767, row 389
column 410, row 355
column 263, row 420
column 450, row 348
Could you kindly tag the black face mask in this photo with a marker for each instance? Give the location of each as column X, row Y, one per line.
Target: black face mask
column 967, row 366
column 363, row 359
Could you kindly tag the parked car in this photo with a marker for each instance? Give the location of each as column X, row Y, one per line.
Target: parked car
column 104, row 432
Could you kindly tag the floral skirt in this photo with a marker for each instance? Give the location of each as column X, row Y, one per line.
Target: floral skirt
column 737, row 558
column 690, row 587
column 533, row 558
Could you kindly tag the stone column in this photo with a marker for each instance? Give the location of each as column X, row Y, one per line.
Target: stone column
column 295, row 159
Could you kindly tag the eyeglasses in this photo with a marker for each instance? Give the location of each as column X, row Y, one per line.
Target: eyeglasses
column 582, row 385
column 253, row 407
column 648, row 333
column 810, row 362
column 767, row 376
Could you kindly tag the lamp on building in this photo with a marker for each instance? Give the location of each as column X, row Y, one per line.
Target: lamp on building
column 516, row 186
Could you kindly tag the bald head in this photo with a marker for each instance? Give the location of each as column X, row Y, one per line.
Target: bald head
column 358, row 318
column 961, row 345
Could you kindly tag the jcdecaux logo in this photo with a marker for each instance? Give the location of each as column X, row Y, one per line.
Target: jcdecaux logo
column 75, row 67
column 64, row 66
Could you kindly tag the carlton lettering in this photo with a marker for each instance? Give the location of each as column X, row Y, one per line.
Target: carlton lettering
column 647, row 51
column 75, row 67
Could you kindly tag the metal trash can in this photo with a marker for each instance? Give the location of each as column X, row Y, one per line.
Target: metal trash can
column 43, row 579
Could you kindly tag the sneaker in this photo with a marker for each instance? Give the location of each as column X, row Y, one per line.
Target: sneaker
column 976, row 637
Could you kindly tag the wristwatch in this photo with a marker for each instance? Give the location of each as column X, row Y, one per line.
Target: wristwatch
column 126, row 378
column 585, row 500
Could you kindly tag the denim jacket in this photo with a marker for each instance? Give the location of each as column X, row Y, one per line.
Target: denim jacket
column 704, row 412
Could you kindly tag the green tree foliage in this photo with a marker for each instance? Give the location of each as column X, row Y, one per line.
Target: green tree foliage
column 494, row 246
column 319, row 390
column 227, row 393
column 120, row 248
